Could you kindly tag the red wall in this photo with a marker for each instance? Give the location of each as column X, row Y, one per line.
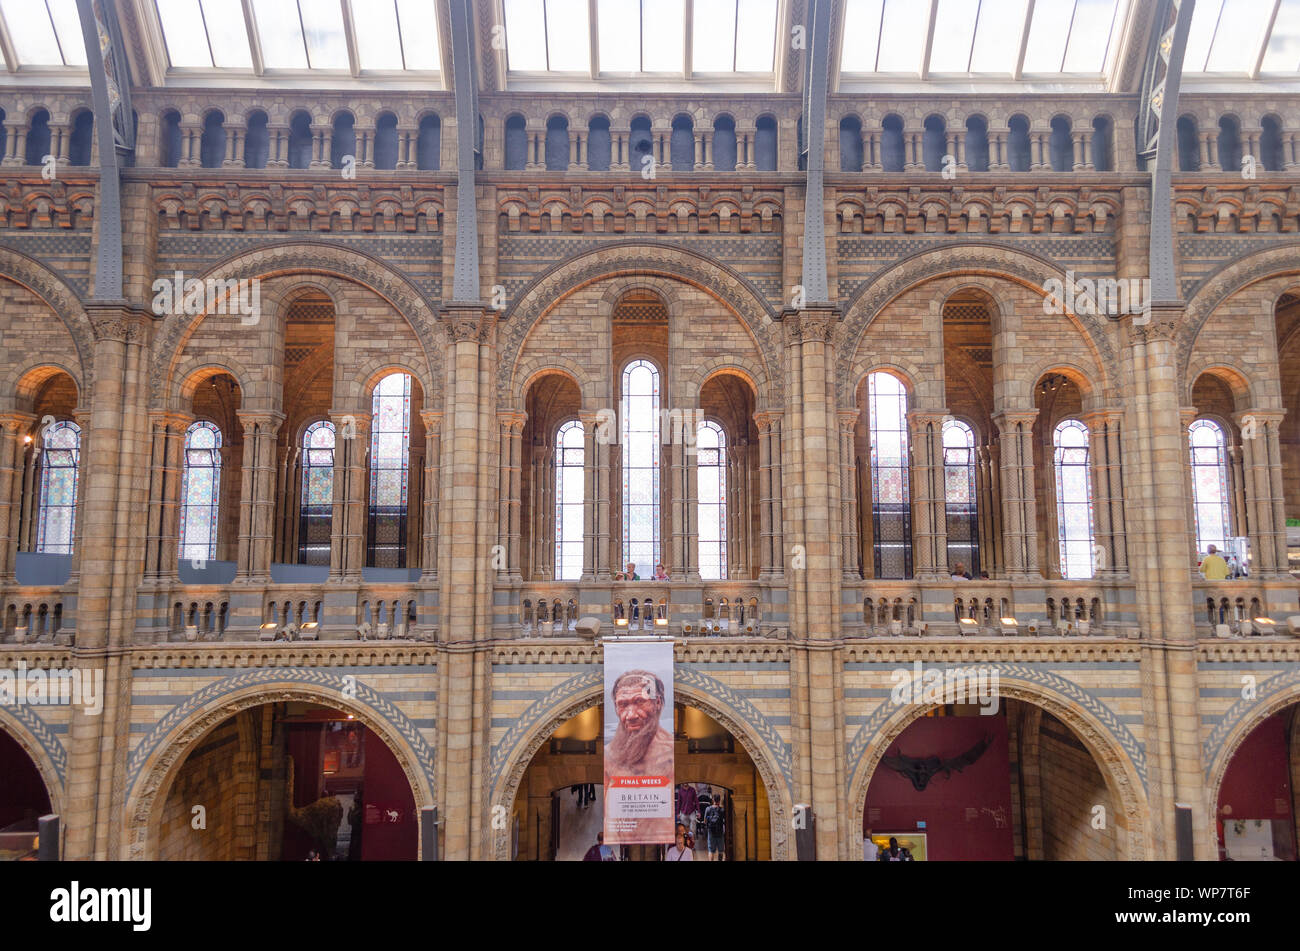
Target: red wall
column 1257, row 781
column 953, row 832
column 22, row 792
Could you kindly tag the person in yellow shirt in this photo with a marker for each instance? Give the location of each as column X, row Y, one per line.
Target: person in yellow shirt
column 1213, row 567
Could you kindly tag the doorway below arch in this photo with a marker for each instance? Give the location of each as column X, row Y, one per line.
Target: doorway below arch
column 560, row 801
column 23, row 800
column 1256, row 808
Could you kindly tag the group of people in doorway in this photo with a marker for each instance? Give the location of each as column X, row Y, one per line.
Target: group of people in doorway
column 629, row 573
column 874, row 853
column 700, row 816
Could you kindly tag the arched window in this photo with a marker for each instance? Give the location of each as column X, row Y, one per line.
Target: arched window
column 317, row 508
column 959, row 496
column 1209, row 484
column 891, row 497
column 711, row 492
column 390, row 440
column 569, row 488
column 641, row 466
column 200, row 492
column 1073, row 498
column 428, row 144
column 57, row 516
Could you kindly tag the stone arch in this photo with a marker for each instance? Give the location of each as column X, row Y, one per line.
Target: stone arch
column 731, row 365
column 907, row 372
column 42, row 747
column 57, row 294
column 637, row 260
column 153, row 764
column 1019, row 267
column 22, row 384
column 1078, row 375
column 1229, row 279
column 301, row 258
column 586, row 690
column 1238, row 721
column 1247, row 390
column 557, row 366
column 368, row 377
column 191, row 373
column 1119, row 758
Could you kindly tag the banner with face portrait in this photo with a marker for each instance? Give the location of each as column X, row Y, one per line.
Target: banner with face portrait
column 638, row 742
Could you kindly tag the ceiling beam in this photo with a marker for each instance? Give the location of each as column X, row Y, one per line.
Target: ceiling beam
column 465, row 283
column 815, row 283
column 1161, row 100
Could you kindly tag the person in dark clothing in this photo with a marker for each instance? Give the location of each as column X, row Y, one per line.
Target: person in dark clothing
column 895, row 852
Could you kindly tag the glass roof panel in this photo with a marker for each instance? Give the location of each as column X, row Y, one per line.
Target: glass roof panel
column 227, row 33
column 182, row 22
column 379, row 39
column 280, row 33
column 663, row 28
column 568, row 37
column 525, row 34
column 67, row 26
column 861, row 36
column 1090, row 34
column 902, row 36
column 1238, row 39
column 418, row 21
column 954, row 32
column 1283, row 53
column 713, row 49
column 755, row 36
column 31, row 28
column 1048, row 34
column 997, row 37
column 323, row 26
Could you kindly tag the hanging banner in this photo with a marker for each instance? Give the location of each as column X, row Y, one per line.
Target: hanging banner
column 638, row 742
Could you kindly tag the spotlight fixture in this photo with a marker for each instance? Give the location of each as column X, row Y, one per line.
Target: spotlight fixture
column 1053, row 382
column 1265, row 625
column 267, row 631
column 1010, row 626
column 968, row 625
column 1293, row 624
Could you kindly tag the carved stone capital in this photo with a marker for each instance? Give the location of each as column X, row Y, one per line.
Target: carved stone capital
column 469, row 322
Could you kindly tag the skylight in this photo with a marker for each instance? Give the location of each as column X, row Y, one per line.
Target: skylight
column 641, row 36
column 44, row 32
column 1244, row 37
column 388, row 36
column 979, row 37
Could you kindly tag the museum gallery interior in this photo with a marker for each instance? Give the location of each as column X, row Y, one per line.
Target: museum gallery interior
column 915, row 383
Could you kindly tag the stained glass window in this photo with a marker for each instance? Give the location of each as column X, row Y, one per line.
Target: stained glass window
column 569, row 487
column 711, row 489
column 641, row 466
column 317, row 505
column 390, row 442
column 891, row 497
column 57, row 515
column 1209, row 484
column 1073, row 498
column 200, row 492
column 959, row 496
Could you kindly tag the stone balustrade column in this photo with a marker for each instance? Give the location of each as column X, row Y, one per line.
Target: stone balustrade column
column 432, row 493
column 348, row 524
column 1019, row 519
column 535, row 137
column 929, row 509
column 998, row 152
column 511, row 428
column 321, row 136
column 1209, row 151
column 576, row 160
column 1040, row 151
column 619, row 160
column 543, row 511
column 14, row 427
column 870, row 151
column 277, row 146
column 1084, row 161
column 16, row 141
column 1291, row 150
column 60, row 140
column 236, row 139
column 257, row 496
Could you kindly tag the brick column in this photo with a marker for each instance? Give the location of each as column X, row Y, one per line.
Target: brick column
column 542, row 509
column 998, row 161
column 257, row 496
column 1019, row 517
column 432, row 491
column 929, row 509
column 988, row 486
column 848, row 420
column 163, row 546
column 236, row 136
column 16, row 130
column 277, row 146
column 1107, row 489
column 771, row 535
column 13, row 456
column 590, row 451
column 684, row 510
column 1262, row 465
column 511, row 426
column 321, row 135
column 349, row 517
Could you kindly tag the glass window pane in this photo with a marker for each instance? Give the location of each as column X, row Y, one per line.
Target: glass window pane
column 619, row 35
column 663, row 27
column 280, row 33
column 1238, row 38
column 714, row 29
column 67, row 24
column 1205, row 20
column 755, row 36
column 525, row 34
column 419, row 28
column 182, row 26
column 902, row 36
column 323, row 23
column 861, row 35
column 953, row 35
column 997, row 37
column 1089, row 36
column 1283, row 53
column 379, row 43
column 568, row 38
column 227, row 33
column 1048, row 33
column 32, row 33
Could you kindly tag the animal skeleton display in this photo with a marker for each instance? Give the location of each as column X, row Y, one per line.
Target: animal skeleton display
column 921, row 769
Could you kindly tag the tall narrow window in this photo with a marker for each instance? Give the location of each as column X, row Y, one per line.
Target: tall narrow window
column 569, row 487
column 1209, row 484
column 390, row 441
column 959, row 496
column 200, row 492
column 57, row 516
column 711, row 489
column 891, row 497
column 641, row 466
column 317, row 509
column 1073, row 498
